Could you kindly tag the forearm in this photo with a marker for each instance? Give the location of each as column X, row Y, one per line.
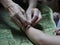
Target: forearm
column 33, row 35
column 32, row 3
column 38, row 37
column 7, row 3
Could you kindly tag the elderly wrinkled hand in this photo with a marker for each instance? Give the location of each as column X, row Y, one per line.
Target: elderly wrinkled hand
column 31, row 17
column 18, row 15
column 16, row 12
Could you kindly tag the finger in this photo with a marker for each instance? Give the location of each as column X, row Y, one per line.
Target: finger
column 21, row 9
column 16, row 21
column 22, row 13
column 17, row 13
column 28, row 15
column 39, row 17
column 35, row 15
column 19, row 22
column 23, row 21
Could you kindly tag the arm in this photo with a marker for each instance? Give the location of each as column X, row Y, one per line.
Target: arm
column 9, row 3
column 38, row 37
column 6, row 3
column 32, row 3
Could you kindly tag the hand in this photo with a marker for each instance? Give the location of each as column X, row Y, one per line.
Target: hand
column 33, row 16
column 36, row 16
column 17, row 14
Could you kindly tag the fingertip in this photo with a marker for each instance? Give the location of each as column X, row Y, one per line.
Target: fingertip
column 34, row 20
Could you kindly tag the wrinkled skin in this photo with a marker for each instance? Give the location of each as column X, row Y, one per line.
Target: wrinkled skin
column 33, row 14
column 31, row 17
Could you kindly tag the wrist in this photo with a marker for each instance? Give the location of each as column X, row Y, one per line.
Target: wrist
column 32, row 6
column 7, row 3
column 32, row 3
column 27, row 28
